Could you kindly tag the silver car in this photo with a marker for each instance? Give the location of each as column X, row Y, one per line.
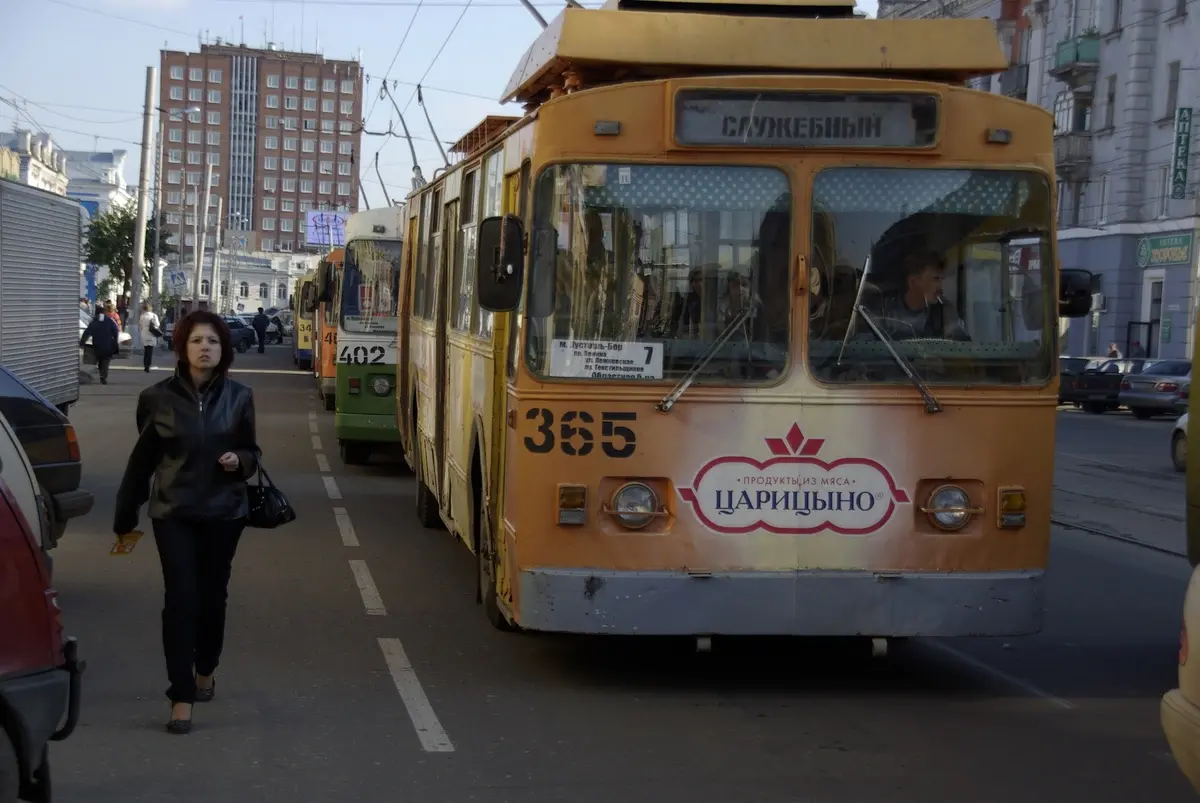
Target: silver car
column 1157, row 389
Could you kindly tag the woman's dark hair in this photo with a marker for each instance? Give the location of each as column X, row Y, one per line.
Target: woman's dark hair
column 183, row 331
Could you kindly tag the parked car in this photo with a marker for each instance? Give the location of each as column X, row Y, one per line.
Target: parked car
column 1155, row 391
column 243, row 334
column 1097, row 388
column 124, row 339
column 1070, row 372
column 49, row 440
column 39, row 668
column 1179, row 443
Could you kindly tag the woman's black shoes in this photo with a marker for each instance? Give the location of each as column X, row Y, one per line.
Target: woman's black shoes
column 179, row 727
column 206, row 695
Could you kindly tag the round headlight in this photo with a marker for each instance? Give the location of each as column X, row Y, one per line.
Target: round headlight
column 948, row 506
column 381, row 385
column 635, row 503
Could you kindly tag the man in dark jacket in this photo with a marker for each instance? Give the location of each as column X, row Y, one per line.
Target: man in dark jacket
column 260, row 324
column 105, row 341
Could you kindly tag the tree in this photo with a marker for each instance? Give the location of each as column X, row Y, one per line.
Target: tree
column 110, row 242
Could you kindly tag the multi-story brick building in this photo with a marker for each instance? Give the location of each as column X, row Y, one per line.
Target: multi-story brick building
column 281, row 129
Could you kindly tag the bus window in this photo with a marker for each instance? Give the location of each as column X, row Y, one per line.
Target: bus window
column 675, row 259
column 954, row 279
column 369, row 285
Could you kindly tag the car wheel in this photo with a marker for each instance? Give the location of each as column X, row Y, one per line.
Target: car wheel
column 10, row 771
column 243, row 346
column 1179, row 451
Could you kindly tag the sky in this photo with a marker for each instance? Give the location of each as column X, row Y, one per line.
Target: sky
column 77, row 68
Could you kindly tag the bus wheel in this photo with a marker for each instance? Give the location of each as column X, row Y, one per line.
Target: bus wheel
column 355, row 453
column 485, row 557
column 427, row 505
column 330, row 402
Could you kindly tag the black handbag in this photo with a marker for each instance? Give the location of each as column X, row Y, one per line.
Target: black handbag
column 269, row 508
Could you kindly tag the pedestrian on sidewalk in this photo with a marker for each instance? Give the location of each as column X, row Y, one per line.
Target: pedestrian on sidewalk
column 105, row 341
column 260, row 324
column 151, row 331
column 197, row 441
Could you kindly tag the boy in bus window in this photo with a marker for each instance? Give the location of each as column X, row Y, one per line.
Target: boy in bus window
column 919, row 310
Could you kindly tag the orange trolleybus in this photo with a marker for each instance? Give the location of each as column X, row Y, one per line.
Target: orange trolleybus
column 748, row 326
column 324, row 361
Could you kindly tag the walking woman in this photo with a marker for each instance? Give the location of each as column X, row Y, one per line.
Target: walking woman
column 196, row 448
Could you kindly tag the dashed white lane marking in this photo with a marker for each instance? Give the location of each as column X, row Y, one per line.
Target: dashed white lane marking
column 1000, row 674
column 312, row 416
column 331, row 488
column 345, row 527
column 316, row 442
column 366, row 587
column 312, row 427
column 429, row 730
column 322, row 461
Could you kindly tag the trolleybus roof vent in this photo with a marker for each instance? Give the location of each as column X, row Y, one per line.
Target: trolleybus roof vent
column 482, row 135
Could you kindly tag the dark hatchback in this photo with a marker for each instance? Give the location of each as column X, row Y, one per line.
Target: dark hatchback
column 53, row 449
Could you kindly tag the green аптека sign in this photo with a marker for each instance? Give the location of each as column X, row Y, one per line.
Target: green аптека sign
column 1166, row 249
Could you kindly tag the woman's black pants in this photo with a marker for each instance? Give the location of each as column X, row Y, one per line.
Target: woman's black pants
column 197, row 559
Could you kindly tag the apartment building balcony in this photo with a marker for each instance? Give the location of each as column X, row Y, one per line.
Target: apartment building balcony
column 1076, row 61
column 1072, row 154
column 1014, row 82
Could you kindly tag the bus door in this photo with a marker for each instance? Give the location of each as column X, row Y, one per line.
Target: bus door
column 435, row 287
column 404, row 309
column 449, row 225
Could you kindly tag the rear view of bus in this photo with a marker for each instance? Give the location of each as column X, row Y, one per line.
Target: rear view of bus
column 366, row 339
column 788, row 329
column 303, row 314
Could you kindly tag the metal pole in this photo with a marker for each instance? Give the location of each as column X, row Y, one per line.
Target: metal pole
column 195, row 243
column 155, row 273
column 215, row 295
column 139, row 232
column 203, row 221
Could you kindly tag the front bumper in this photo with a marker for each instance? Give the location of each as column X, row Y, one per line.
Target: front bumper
column 1148, row 400
column 72, row 504
column 1181, row 725
column 43, row 700
column 366, row 427
column 799, row 603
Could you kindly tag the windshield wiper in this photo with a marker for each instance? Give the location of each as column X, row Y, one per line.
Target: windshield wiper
column 669, row 400
column 931, row 404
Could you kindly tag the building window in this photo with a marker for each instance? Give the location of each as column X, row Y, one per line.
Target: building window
column 326, row 146
column 271, row 143
column 214, row 96
column 1110, row 102
column 329, row 85
column 306, row 205
column 347, row 107
column 195, row 137
column 176, row 93
column 272, row 122
column 327, row 168
column 1172, row 88
column 327, row 126
column 306, row 187
column 310, row 104
column 214, row 137
column 175, row 198
column 343, row 188
column 310, row 125
column 214, row 76
column 177, row 73
column 289, row 143
column 310, row 84
column 175, row 135
column 205, row 287
column 346, row 148
column 289, row 123
column 268, row 224
column 291, row 102
column 272, row 101
column 193, row 157
column 287, row 205
column 270, row 163
column 173, row 177
column 214, row 158
column 287, row 224
column 1116, row 15
column 347, row 87
column 269, row 183
column 214, row 118
column 344, row 168
column 1102, row 204
column 281, row 292
column 173, row 218
column 289, row 185
column 1181, row 7
column 262, row 290
column 325, row 188
column 272, row 82
column 327, row 105
column 195, row 94
column 292, row 82
column 307, row 165
column 194, row 116
column 175, row 156
column 244, row 289
column 268, row 203
column 345, row 127
column 289, row 165
column 225, row 288
column 196, row 74
column 267, row 243
column 216, row 179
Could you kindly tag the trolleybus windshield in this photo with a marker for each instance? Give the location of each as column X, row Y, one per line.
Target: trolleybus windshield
column 370, row 286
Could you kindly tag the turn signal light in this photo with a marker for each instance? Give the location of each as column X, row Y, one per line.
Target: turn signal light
column 72, row 444
column 572, row 504
column 1166, row 387
column 355, row 386
column 1011, row 508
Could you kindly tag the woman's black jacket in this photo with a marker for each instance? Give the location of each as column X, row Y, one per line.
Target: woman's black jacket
column 183, row 431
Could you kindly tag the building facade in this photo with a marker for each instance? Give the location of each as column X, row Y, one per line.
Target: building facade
column 97, row 180
column 246, row 280
column 281, row 130
column 42, row 165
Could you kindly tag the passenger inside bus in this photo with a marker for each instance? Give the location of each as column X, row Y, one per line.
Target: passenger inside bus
column 918, row 309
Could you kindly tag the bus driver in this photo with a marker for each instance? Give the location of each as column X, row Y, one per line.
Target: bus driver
column 920, row 311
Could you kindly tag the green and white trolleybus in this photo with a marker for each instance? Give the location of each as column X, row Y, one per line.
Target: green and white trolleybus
column 367, row 297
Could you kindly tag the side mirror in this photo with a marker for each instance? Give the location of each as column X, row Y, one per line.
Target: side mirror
column 1074, row 293
column 321, row 284
column 499, row 267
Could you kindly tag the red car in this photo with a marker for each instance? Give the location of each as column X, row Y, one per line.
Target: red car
column 39, row 667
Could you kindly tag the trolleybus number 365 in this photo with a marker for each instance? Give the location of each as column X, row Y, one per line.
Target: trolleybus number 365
column 361, row 355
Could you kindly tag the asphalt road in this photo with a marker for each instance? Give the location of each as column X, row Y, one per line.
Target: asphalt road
column 366, row 671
